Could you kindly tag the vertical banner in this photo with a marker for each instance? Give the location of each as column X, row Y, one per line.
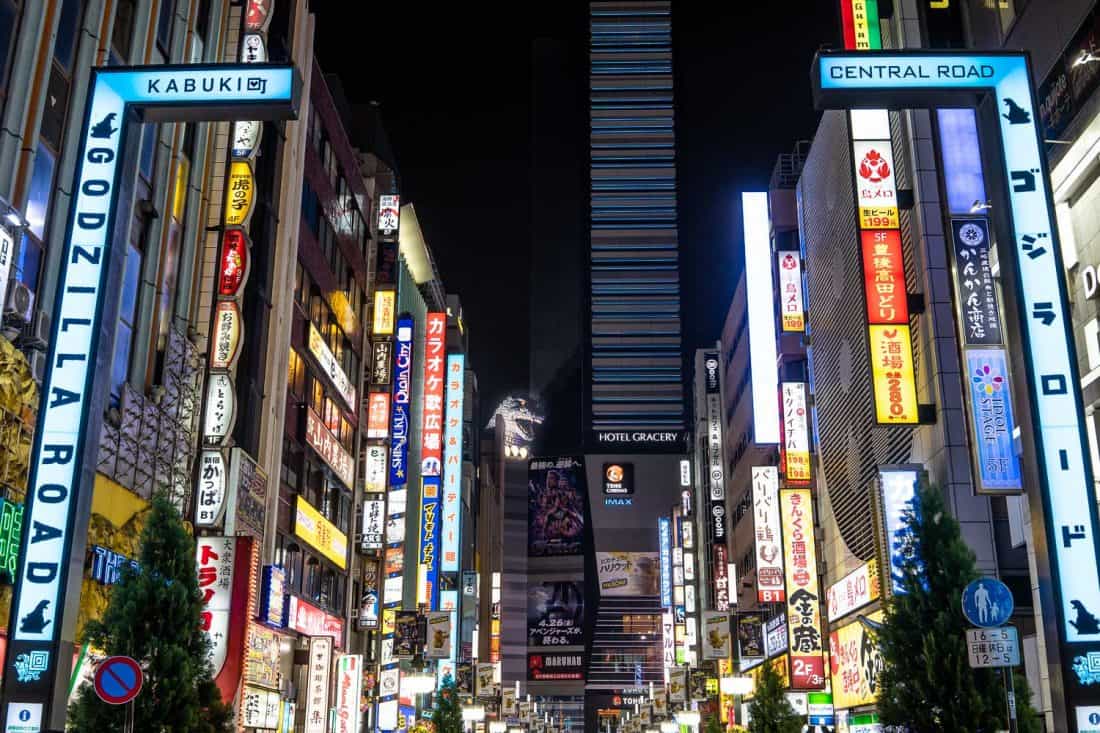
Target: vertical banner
column 769, row 551
column 349, row 688
column 452, row 462
column 431, row 459
column 891, row 348
column 989, row 385
column 716, row 635
column 796, row 434
column 898, row 487
column 803, row 593
column 792, row 314
column 664, row 538
column 859, row 21
column 439, row 639
column 317, row 684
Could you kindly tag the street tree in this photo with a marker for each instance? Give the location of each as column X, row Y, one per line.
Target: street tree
column 927, row 684
column 447, row 715
column 770, row 711
column 153, row 616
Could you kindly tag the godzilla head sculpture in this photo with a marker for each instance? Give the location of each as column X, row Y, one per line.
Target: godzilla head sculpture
column 519, row 420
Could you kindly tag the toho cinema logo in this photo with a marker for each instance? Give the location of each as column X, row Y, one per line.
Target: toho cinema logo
column 938, row 79
column 74, row 390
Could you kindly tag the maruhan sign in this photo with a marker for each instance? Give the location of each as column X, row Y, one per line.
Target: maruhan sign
column 43, row 619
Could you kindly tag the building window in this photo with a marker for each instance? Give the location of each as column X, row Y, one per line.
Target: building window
column 122, row 35
column 296, row 374
column 124, row 331
column 68, row 31
column 9, row 22
column 164, row 26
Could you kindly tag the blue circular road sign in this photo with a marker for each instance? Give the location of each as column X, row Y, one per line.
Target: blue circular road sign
column 118, row 680
column 987, row 602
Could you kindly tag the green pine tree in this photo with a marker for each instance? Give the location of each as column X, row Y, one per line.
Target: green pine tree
column 153, row 616
column 447, row 714
column 713, row 724
column 927, row 684
column 770, row 711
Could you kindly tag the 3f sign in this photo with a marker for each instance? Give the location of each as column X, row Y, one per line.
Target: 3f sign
column 37, row 665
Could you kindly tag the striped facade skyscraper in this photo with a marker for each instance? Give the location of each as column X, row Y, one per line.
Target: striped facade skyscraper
column 636, row 366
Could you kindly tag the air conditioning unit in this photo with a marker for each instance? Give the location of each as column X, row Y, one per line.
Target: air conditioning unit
column 38, row 336
column 19, row 304
column 37, row 361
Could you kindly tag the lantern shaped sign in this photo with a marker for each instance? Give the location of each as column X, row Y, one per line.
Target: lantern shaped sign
column 246, row 137
column 234, row 264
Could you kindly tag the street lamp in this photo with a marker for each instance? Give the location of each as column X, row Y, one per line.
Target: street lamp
column 668, row 726
column 498, row 726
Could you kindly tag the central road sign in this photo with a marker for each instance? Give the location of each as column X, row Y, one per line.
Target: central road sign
column 118, row 680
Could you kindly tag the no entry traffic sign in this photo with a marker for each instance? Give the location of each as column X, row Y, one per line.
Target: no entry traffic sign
column 118, row 680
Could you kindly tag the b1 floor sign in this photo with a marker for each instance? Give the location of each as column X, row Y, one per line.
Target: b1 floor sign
column 1032, row 261
column 74, row 389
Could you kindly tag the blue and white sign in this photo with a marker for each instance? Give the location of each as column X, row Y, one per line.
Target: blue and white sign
column 75, row 377
column 872, row 79
column 664, row 531
column 402, row 393
column 987, row 602
column 452, row 461
column 991, row 411
column 273, row 606
column 899, row 493
column 428, row 588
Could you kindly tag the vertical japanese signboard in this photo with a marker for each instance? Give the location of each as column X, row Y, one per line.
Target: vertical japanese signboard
column 891, row 348
column 988, row 383
column 452, row 462
column 431, row 458
column 317, row 684
column 664, row 539
column 803, row 593
column 792, row 314
column 796, row 434
column 769, row 551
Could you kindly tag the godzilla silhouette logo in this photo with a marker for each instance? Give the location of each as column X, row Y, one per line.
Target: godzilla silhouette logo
column 874, row 167
column 519, row 421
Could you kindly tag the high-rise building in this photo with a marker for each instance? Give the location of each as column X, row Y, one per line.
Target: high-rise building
column 635, row 360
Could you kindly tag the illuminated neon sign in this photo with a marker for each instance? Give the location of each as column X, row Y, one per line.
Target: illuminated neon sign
column 73, row 387
column 1066, row 484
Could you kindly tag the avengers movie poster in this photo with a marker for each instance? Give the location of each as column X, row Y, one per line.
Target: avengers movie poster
column 555, row 507
column 555, row 613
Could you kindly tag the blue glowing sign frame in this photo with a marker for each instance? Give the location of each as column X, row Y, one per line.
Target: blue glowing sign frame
column 939, row 79
column 85, row 311
column 452, row 463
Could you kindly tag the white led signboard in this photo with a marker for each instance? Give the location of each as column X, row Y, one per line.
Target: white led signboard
column 75, row 385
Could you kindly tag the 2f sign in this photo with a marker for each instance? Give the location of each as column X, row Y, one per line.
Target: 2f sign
column 74, row 386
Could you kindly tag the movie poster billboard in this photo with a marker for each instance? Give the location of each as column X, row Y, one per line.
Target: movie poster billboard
column 555, row 613
column 406, row 635
column 555, row 507
column 629, row 573
column 750, row 639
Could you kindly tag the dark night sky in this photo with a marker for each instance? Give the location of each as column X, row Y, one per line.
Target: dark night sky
column 453, row 81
